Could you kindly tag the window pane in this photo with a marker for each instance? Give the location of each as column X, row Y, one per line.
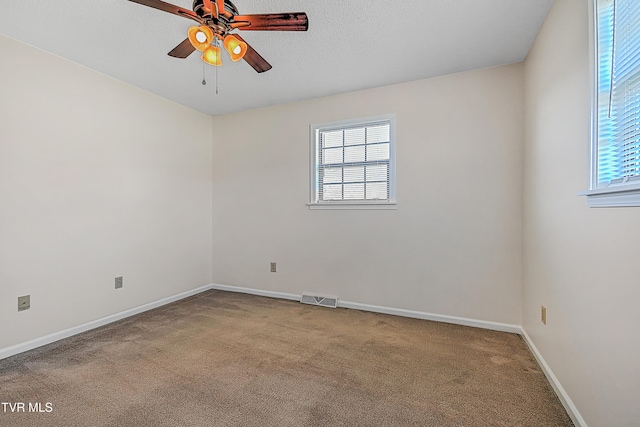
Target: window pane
column 354, row 154
column 332, row 192
column 332, row 156
column 354, row 136
column 352, row 162
column 377, row 190
column 354, row 174
column 378, row 133
column 353, row 191
column 629, row 129
column 608, row 165
column 331, row 139
column 618, row 142
column 332, row 176
column 377, row 152
column 377, row 173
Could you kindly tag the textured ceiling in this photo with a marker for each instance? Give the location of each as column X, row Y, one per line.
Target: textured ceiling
column 350, row 45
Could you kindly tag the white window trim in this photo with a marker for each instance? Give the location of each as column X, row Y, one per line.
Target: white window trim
column 352, row 204
column 620, row 194
column 614, row 196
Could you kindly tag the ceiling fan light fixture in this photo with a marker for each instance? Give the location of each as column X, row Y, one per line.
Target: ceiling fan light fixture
column 211, row 56
column 215, row 19
column 236, row 48
column 200, row 37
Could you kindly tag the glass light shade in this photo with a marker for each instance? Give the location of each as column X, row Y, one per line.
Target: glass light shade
column 235, row 47
column 211, row 55
column 200, row 37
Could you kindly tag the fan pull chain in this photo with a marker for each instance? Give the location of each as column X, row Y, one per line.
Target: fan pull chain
column 204, row 82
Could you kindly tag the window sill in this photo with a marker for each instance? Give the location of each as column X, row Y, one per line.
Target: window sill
column 614, row 196
column 353, row 205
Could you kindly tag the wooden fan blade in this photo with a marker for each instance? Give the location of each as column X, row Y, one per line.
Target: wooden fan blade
column 296, row 21
column 253, row 58
column 167, row 7
column 183, row 50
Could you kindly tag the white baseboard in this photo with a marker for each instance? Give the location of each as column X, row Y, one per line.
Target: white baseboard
column 502, row 327
column 251, row 291
column 495, row 326
column 555, row 383
column 56, row 336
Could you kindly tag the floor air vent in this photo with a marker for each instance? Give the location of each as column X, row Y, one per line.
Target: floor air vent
column 319, row 300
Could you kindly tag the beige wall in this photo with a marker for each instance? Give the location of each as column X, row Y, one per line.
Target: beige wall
column 97, row 179
column 581, row 263
column 452, row 247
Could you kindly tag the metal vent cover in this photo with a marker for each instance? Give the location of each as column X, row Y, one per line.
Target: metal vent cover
column 323, row 300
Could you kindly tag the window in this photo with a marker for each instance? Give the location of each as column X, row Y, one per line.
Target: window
column 615, row 171
column 353, row 164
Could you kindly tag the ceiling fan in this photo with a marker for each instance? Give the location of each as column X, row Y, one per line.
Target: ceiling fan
column 217, row 19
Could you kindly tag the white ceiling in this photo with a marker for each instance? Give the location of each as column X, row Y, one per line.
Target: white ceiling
column 350, row 45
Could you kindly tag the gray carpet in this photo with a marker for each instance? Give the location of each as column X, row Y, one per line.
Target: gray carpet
column 228, row 359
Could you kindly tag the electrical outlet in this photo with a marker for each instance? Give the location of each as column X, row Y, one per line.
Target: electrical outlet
column 118, row 282
column 543, row 314
column 24, row 302
column 273, row 267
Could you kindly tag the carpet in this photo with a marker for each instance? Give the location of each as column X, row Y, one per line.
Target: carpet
column 229, row 359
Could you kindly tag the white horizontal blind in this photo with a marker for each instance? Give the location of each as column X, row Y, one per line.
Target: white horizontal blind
column 618, row 90
column 353, row 163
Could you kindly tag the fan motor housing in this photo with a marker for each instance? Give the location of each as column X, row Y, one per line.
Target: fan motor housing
column 228, row 6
